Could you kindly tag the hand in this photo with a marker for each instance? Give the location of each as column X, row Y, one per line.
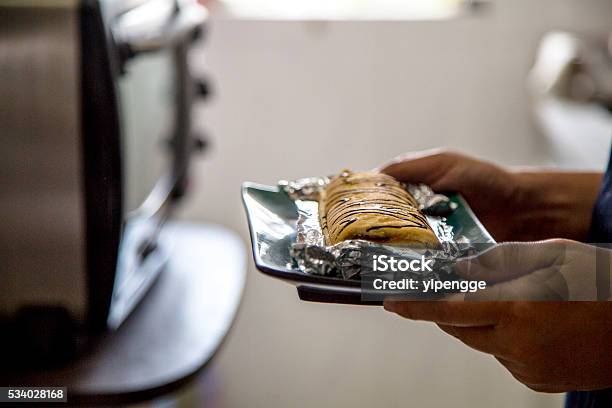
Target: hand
column 550, row 270
column 548, row 346
column 513, row 205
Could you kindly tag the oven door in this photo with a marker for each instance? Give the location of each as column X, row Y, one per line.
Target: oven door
column 155, row 92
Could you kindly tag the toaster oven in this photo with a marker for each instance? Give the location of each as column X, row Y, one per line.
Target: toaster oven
column 95, row 109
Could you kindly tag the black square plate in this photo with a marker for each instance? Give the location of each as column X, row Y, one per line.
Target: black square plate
column 272, row 217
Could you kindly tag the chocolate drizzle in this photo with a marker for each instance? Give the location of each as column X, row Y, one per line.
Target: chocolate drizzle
column 370, row 198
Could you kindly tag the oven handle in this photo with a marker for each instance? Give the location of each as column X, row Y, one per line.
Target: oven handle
column 158, row 24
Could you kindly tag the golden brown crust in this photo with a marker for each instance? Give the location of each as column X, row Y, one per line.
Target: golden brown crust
column 372, row 207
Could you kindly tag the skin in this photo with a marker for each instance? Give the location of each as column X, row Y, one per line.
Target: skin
column 548, row 346
column 541, row 350
column 514, row 205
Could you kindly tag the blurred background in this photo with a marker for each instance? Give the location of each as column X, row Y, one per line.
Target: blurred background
column 299, row 88
column 307, row 88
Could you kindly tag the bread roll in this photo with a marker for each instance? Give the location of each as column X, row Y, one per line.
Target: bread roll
column 373, row 207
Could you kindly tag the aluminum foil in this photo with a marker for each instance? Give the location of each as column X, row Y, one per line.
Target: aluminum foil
column 304, row 189
column 352, row 258
column 431, row 203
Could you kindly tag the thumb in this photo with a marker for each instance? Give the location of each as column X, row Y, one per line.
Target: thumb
column 428, row 167
column 511, row 260
column 542, row 285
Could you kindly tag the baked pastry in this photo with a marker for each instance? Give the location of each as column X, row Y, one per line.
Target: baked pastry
column 373, row 207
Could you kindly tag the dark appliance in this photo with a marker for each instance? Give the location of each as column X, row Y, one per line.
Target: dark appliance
column 95, row 118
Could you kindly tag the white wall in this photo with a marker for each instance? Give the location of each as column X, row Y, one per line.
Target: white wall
column 309, row 98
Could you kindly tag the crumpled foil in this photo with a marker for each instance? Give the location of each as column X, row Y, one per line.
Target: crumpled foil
column 431, row 203
column 352, row 258
column 304, row 189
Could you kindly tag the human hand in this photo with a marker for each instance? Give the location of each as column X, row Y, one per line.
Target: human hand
column 548, row 346
column 552, row 270
column 513, row 205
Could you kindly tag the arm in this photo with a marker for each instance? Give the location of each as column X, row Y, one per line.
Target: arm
column 555, row 204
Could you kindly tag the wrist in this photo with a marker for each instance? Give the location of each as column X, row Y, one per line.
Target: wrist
column 538, row 190
column 556, row 204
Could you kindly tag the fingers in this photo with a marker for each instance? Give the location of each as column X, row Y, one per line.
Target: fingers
column 511, row 260
column 427, row 167
column 547, row 284
column 465, row 314
column 518, row 271
column 481, row 338
column 410, row 156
